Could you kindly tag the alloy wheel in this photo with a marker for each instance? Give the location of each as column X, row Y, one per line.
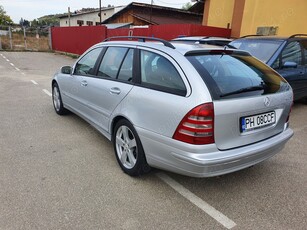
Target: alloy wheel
column 126, row 147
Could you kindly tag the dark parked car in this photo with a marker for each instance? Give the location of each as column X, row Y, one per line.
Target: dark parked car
column 287, row 55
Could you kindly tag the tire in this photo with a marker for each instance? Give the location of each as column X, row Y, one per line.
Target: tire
column 128, row 149
column 57, row 100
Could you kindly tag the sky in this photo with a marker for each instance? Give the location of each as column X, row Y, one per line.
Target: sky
column 32, row 9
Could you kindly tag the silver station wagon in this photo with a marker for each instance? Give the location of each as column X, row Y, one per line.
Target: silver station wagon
column 196, row 110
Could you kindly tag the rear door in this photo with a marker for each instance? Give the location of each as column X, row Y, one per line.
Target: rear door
column 112, row 83
column 158, row 101
column 251, row 101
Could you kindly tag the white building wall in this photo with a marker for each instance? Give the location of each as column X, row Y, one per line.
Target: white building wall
column 88, row 17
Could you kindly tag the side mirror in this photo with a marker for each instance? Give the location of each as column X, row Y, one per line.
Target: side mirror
column 289, row 64
column 66, row 70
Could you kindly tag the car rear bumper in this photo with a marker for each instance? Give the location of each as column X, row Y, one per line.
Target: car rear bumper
column 207, row 160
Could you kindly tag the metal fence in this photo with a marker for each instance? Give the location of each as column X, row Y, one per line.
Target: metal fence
column 21, row 38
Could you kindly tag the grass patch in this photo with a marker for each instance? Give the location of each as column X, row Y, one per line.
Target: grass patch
column 32, row 42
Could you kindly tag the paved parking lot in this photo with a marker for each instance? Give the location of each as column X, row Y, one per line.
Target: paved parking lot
column 59, row 173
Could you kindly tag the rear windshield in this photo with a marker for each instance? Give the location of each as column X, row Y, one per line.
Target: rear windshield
column 261, row 49
column 236, row 75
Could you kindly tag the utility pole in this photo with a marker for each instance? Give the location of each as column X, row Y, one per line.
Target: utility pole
column 25, row 37
column 99, row 12
column 69, row 16
column 10, row 36
column 150, row 11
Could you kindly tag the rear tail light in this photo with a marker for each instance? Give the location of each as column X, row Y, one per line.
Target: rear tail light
column 197, row 127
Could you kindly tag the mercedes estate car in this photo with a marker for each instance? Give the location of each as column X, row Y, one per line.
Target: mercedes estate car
column 218, row 41
column 195, row 110
column 287, row 55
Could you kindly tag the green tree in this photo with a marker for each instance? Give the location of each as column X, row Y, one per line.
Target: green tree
column 34, row 23
column 4, row 18
column 47, row 20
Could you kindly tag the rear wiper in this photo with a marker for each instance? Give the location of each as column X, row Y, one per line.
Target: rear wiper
column 243, row 90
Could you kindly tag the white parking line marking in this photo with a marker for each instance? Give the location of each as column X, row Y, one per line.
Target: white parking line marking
column 12, row 64
column 207, row 208
column 17, row 69
column 47, row 92
column 7, row 60
column 35, row 83
column 23, row 73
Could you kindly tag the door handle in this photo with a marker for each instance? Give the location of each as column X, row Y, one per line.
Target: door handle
column 83, row 83
column 115, row 90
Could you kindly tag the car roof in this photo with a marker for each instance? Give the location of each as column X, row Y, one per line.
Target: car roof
column 276, row 38
column 197, row 38
column 273, row 37
column 182, row 48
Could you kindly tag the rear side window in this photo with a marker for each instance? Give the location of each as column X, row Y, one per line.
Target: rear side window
column 233, row 76
column 159, row 73
column 125, row 72
column 87, row 63
column 292, row 53
column 112, row 61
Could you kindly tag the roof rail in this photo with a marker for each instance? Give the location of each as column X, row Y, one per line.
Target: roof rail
column 298, row 35
column 252, row 35
column 142, row 39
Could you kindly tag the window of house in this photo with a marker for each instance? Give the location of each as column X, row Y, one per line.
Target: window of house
column 89, row 23
column 80, row 22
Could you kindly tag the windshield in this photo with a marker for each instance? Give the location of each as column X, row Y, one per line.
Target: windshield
column 261, row 49
column 236, row 75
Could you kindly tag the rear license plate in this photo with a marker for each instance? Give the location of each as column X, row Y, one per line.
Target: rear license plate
column 257, row 121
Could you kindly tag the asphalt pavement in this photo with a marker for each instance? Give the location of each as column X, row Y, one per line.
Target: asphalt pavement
column 57, row 172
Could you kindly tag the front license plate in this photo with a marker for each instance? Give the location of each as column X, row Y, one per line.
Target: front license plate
column 257, row 121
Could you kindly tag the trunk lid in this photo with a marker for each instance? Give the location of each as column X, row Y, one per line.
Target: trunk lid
column 231, row 114
column 251, row 101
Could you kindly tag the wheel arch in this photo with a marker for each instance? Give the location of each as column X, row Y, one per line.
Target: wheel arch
column 142, row 166
column 53, row 82
column 115, row 120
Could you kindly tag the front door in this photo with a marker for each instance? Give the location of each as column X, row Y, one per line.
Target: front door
column 293, row 68
column 83, row 70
